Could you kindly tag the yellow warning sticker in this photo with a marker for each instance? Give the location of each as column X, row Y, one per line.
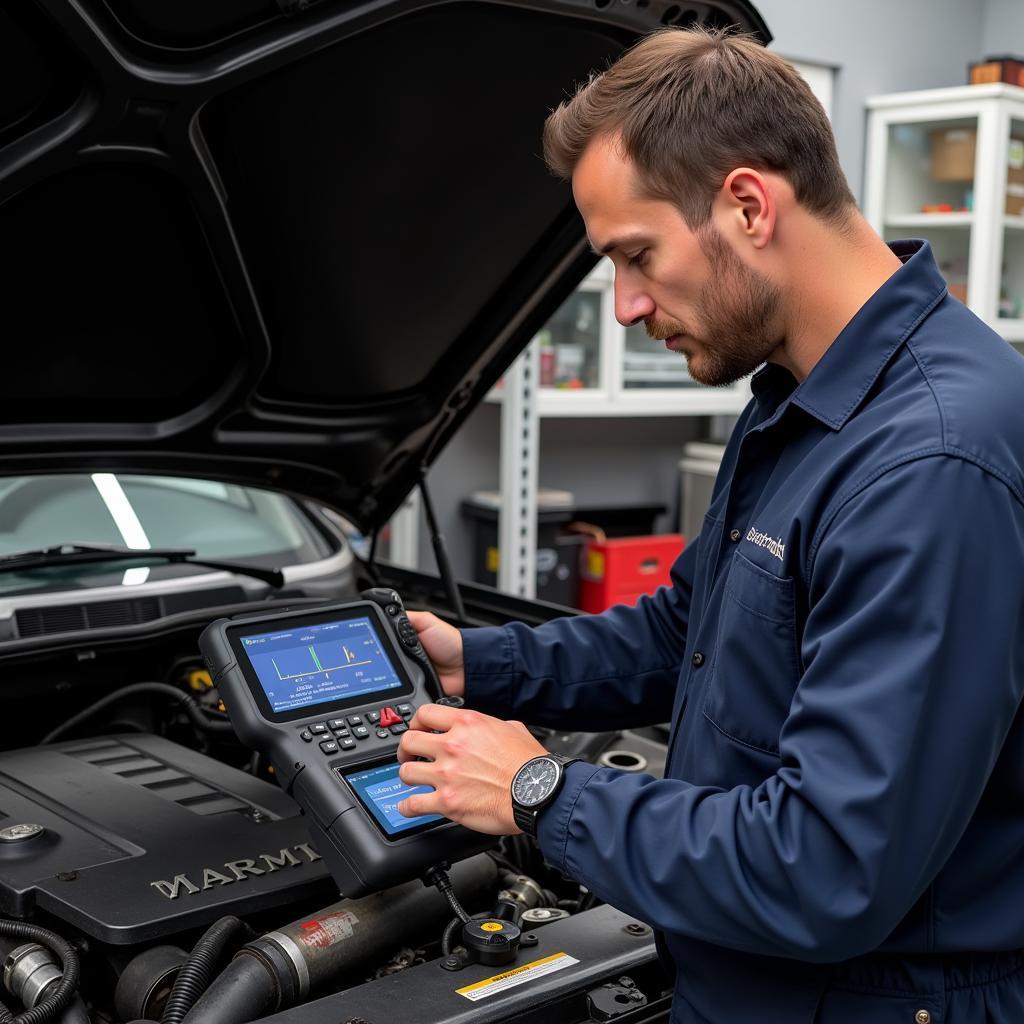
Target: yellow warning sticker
column 491, row 926
column 517, row 976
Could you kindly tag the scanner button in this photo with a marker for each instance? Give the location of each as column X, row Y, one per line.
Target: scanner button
column 373, row 717
column 318, row 727
column 389, row 717
column 347, row 743
column 306, row 735
column 392, row 609
column 398, row 729
column 355, row 719
column 329, row 747
column 383, row 734
column 405, row 710
column 343, row 731
column 360, row 732
column 337, row 723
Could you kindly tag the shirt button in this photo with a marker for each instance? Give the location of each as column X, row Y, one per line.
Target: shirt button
column 735, row 536
column 922, row 1017
column 698, row 659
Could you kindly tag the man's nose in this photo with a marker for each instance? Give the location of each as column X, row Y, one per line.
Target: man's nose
column 632, row 304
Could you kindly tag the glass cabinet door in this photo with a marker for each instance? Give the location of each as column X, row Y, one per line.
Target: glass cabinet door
column 1010, row 302
column 646, row 363
column 930, row 190
column 570, row 344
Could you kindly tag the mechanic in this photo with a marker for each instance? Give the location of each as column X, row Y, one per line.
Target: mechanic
column 840, row 831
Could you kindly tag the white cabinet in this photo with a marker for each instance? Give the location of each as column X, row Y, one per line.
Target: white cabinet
column 590, row 365
column 948, row 165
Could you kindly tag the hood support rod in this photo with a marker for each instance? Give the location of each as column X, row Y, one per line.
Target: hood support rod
column 441, row 551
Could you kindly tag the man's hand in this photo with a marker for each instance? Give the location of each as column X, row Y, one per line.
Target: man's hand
column 443, row 644
column 473, row 759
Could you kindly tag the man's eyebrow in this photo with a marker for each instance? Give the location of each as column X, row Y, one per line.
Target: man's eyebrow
column 616, row 243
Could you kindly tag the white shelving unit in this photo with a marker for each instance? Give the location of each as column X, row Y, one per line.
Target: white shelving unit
column 919, row 155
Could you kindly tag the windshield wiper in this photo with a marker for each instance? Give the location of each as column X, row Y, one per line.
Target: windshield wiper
column 86, row 554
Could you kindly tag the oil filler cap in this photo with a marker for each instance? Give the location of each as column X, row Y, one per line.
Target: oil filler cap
column 20, row 833
column 491, row 941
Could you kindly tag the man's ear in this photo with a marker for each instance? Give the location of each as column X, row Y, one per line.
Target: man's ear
column 747, row 207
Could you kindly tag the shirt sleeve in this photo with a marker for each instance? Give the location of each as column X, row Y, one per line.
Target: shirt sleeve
column 595, row 672
column 914, row 670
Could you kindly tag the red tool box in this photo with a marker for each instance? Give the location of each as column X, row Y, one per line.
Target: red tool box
column 621, row 570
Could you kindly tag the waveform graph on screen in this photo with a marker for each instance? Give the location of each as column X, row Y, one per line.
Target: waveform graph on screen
column 316, row 659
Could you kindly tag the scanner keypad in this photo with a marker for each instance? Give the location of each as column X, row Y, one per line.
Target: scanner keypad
column 338, row 735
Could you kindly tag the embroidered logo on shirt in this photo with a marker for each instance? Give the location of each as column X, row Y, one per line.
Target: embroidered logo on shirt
column 773, row 545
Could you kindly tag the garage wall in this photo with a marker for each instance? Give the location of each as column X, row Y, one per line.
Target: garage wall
column 1002, row 29
column 878, row 46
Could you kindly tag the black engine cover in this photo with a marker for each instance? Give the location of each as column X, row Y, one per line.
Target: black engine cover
column 143, row 838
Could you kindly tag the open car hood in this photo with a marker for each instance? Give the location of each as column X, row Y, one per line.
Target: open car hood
column 283, row 243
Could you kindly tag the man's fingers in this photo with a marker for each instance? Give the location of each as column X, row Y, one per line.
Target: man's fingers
column 417, row 773
column 417, row 804
column 436, row 716
column 416, row 743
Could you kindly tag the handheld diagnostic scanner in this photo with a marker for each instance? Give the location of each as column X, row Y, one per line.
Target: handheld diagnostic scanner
column 326, row 696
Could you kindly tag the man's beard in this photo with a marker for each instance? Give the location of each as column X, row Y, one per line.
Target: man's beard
column 736, row 311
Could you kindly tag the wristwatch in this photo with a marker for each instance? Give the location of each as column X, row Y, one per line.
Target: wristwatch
column 535, row 785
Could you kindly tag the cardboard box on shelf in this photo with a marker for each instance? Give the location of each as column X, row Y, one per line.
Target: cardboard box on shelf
column 952, row 153
column 996, row 69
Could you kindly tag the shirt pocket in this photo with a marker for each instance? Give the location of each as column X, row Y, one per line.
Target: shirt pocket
column 756, row 663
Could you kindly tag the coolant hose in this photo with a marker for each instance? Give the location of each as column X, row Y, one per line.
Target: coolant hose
column 64, row 991
column 189, row 705
column 198, row 970
column 244, row 991
column 75, row 1012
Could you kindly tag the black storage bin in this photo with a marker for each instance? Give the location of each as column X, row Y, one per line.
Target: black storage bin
column 558, row 553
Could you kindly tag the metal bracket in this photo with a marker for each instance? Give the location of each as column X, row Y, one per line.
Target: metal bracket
column 520, row 451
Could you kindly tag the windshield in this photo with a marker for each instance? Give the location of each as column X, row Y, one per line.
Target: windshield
column 218, row 521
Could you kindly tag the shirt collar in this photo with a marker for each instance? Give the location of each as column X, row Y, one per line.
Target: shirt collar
column 843, row 376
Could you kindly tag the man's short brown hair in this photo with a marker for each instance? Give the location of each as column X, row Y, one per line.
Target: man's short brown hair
column 690, row 106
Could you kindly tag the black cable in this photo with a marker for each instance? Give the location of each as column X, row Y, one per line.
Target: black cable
column 438, row 876
column 197, row 972
column 190, row 706
column 46, row 1009
column 449, row 932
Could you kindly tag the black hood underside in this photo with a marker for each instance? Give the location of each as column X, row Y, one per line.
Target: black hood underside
column 286, row 244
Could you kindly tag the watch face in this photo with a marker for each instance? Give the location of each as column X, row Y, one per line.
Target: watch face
column 535, row 781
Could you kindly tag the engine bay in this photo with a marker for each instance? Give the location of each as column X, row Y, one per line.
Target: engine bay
column 141, row 837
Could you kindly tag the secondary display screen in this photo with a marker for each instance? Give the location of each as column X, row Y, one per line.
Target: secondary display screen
column 380, row 791
column 320, row 664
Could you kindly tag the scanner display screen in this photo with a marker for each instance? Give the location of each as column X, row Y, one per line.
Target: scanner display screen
column 380, row 790
column 320, row 664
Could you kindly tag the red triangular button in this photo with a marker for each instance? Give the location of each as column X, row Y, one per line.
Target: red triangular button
column 389, row 717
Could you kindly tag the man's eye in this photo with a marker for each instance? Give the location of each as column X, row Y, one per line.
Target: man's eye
column 639, row 259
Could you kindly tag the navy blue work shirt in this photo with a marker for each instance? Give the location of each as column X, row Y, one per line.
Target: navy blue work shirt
column 841, row 659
